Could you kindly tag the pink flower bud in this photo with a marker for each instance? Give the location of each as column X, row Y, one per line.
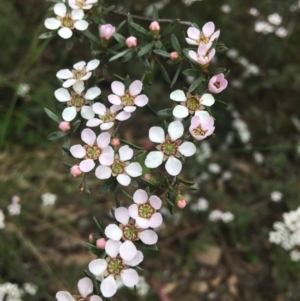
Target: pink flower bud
column 154, row 26
column 181, row 203
column 15, row 199
column 174, row 56
column 64, row 126
column 106, row 31
column 91, row 238
column 131, row 42
column 75, row 171
column 100, row 243
column 147, row 176
column 115, row 142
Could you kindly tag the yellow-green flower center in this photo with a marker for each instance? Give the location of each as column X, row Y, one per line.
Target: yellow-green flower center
column 203, row 39
column 67, row 21
column 115, row 266
column 78, row 74
column 78, row 101
column 118, row 167
column 93, row 152
column 127, row 100
column 108, row 117
column 130, row 232
column 192, row 103
column 145, row 210
column 80, row 3
column 199, row 132
column 169, row 148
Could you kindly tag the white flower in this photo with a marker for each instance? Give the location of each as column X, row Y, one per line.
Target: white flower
column 203, row 56
column 30, row 288
column 253, row 11
column 225, row 8
column 14, row 208
column 2, row 218
column 200, row 205
column 170, row 148
column 295, row 255
column 232, row 53
column 10, row 292
column 77, row 101
column 82, row 4
column 263, row 27
column 48, row 199
column 276, row 196
column 242, row 130
column 67, row 21
column 142, row 288
column 275, row 19
column 121, row 167
column 281, row 32
column 214, row 168
column 258, row 157
column 81, row 71
column 23, row 89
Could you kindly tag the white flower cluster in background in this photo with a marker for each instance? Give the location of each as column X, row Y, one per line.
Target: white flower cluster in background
column 218, row 215
column 242, row 130
column 203, row 152
column 14, row 208
column 200, row 205
column 276, row 196
column 2, row 219
column 48, row 199
column 10, row 292
column 287, row 233
column 225, row 8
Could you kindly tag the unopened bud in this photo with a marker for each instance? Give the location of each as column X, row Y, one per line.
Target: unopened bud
column 100, row 243
column 15, row 199
column 107, row 31
column 154, row 26
column 91, row 238
column 64, row 126
column 147, row 176
column 75, row 171
column 131, row 42
column 174, row 56
column 115, row 142
column 180, row 201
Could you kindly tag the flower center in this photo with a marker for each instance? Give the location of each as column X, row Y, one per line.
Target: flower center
column 217, row 84
column 130, row 232
column 78, row 101
column 192, row 103
column 169, row 148
column 108, row 117
column 115, row 266
column 78, row 74
column 93, row 152
column 118, row 167
column 199, row 132
column 203, row 39
column 79, row 298
column 146, row 210
column 127, row 100
column 67, row 21
column 80, row 3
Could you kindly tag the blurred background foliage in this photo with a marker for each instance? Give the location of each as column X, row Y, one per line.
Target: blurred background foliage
column 256, row 145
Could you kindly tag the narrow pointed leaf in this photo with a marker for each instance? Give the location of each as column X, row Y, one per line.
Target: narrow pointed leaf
column 175, row 44
column 147, row 48
column 56, row 135
column 164, row 72
column 196, row 83
column 162, row 53
column 130, row 144
column 176, row 75
column 52, row 116
column 120, row 54
column 169, row 28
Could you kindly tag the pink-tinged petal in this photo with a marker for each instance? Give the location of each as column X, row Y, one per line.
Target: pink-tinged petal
column 103, row 172
column 156, row 220
column 178, row 95
column 215, row 35
column 175, row 130
column 52, row 23
column 141, row 100
column 80, row 65
column 202, row 50
column 193, row 33
column 173, row 166
column 64, row 296
column 69, row 113
column 60, row 9
column 180, row 111
column 207, row 99
column 69, row 82
column 157, row 134
column 78, row 87
column 193, row 55
column 154, row 159
column 116, row 108
column 77, row 151
column 103, row 140
column 129, row 109
column 81, row 25
column 62, row 95
column 112, row 247
column 85, row 287
column 122, row 215
column 129, row 277
column 140, row 196
column 135, row 88
column 114, row 99
column 112, row 231
column 148, row 237
column 138, row 258
column 133, row 211
column 208, row 29
column 99, row 108
column 65, row 33
column 191, row 42
column 134, row 169
column 88, row 136
column 98, row 266
column 93, row 122
column 123, row 116
column 108, row 286
column 107, row 156
column 64, row 74
column 87, row 76
column 128, row 250
column 207, row 122
column 106, row 126
column 92, row 93
column 125, row 153
column 95, row 298
column 93, row 64
column 155, row 202
column 142, row 222
column 87, row 112
column 77, row 14
column 123, row 179
column 211, row 54
column 87, row 165
column 201, row 114
column 118, row 88
column 187, row 149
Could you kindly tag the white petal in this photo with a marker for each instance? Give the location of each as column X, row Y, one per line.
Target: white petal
column 178, row 95
column 134, row 169
column 65, row 33
column 207, row 99
column 97, row 266
column 112, row 231
column 87, row 76
column 140, row 197
column 155, row 202
column 136, row 260
column 141, row 100
column 193, row 33
column 193, row 55
column 77, row 14
column 103, row 140
column 123, row 180
column 93, row 64
column 69, row 113
column 103, row 172
column 118, row 88
column 142, row 222
column 123, row 116
column 114, row 99
column 62, row 95
column 95, row 298
column 88, row 136
column 115, row 108
column 77, row 151
column 173, row 166
column 187, row 148
column 93, row 122
column 133, row 211
column 52, row 23
column 156, row 134
column 87, row 165
column 112, row 247
column 60, row 9
column 175, row 130
column 125, row 152
column 80, row 65
column 78, row 87
column 154, row 159
column 108, row 286
column 106, row 126
column 128, row 250
column 122, row 215
column 135, row 88
column 81, row 25
column 202, row 114
column 156, row 220
column 92, row 93
column 180, row 111
column 99, row 108
column 107, row 156
column 64, row 296
column 69, row 82
column 64, row 74
column 87, row 112
column 148, row 237
column 129, row 109
column 130, row 277
column 85, row 287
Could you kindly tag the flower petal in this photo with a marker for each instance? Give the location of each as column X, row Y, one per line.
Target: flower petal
column 88, row 136
column 123, row 116
column 123, row 179
column 92, row 93
column 125, row 152
column 112, row 247
column 107, row 156
column 65, row 32
column 95, row 298
column 156, row 134
column 136, row 260
column 118, row 88
column 156, row 220
column 173, row 166
column 148, row 237
column 85, row 287
column 93, row 122
column 193, row 55
column 135, row 88
column 175, row 130
column 52, row 23
column 141, row 100
column 77, row 14
column 80, row 65
column 114, row 99
column 155, row 202
column 180, row 111
column 64, row 74
column 193, row 33
column 106, row 126
column 99, row 108
column 133, row 211
column 81, row 25
column 87, row 165
column 187, row 148
column 129, row 277
column 108, row 286
column 128, row 250
column 129, row 109
column 140, row 196
column 93, row 64
column 69, row 82
column 112, row 231
column 154, row 159
column 122, row 215
column 103, row 140
column 64, row 296
column 178, row 95
column 78, row 87
column 60, row 9
column 207, row 99
column 142, row 222
column 97, row 266
column 87, row 112
column 103, row 172
column 77, row 151
column 134, row 169
column 208, row 29
column 69, row 113
column 62, row 95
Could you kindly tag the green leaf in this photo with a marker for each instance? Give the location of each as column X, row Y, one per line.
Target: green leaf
column 94, row 249
column 221, row 47
column 127, row 194
column 57, row 135
column 142, row 31
column 185, row 182
column 151, row 247
column 91, row 36
column 119, row 38
column 158, row 44
column 67, row 145
column 120, row 25
column 69, row 44
column 155, row 13
column 196, row 83
column 100, row 229
column 134, row 183
column 108, row 9
column 67, row 165
column 137, row 155
column 175, row 44
column 76, row 125
column 120, row 78
column 108, row 184
column 169, row 28
column 66, row 150
column 47, row 35
column 164, row 72
column 130, row 144
column 151, row 110
column 162, row 53
column 147, row 77
column 191, row 72
column 176, row 75
column 127, row 81
column 120, row 54
column 165, row 112
column 190, row 188
column 217, row 71
column 129, row 22
column 52, row 116
column 222, row 102
column 227, row 73
column 147, row 48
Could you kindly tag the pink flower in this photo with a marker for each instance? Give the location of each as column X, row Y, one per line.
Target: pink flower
column 96, row 149
column 206, row 36
column 82, row 4
column 144, row 211
column 75, row 171
column 64, row 126
column 115, row 142
column 107, row 31
column 154, row 26
column 174, row 56
column 121, row 167
column 217, row 83
column 203, row 55
column 131, row 42
column 180, row 201
column 201, row 127
column 100, row 243
column 129, row 98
